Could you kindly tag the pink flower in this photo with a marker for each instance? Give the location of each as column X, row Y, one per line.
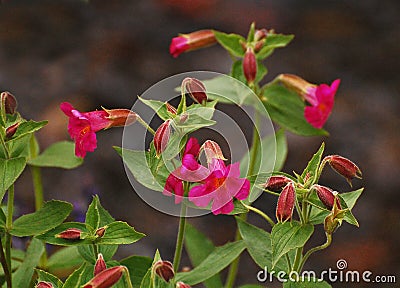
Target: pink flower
column 191, row 41
column 190, row 171
column 321, row 99
column 82, row 126
column 221, row 186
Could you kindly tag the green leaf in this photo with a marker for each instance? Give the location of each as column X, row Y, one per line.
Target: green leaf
column 231, row 42
column 9, row 172
column 287, row 236
column 271, row 42
column 20, row 147
column 74, row 280
column 307, row 284
column 92, row 216
column 50, row 236
column 27, row 127
column 120, row 233
column 138, row 267
column 52, row 214
column 47, row 277
column 287, row 109
column 23, row 276
column 59, row 155
column 258, row 244
column 159, row 107
column 17, row 257
column 105, row 217
column 64, row 258
column 198, row 247
column 87, row 252
column 220, row 258
column 313, row 165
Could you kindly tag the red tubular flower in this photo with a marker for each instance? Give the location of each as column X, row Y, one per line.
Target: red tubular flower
column 284, row 208
column 106, row 278
column 344, row 167
column 321, row 97
column 164, row 269
column 277, row 182
column 221, row 186
column 327, row 196
column 43, row 284
column 70, row 234
column 191, row 41
column 250, row 65
column 82, row 126
column 100, row 265
column 161, row 137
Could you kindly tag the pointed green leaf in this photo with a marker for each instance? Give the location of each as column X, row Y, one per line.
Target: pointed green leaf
column 48, row 277
column 288, row 236
column 75, row 279
column 9, row 172
column 120, row 233
column 138, row 267
column 64, row 258
column 159, row 107
column 52, row 214
column 87, row 252
column 92, row 216
column 273, row 41
column 23, row 276
column 313, row 165
column 59, row 155
column 220, row 258
column 231, row 42
column 198, row 247
column 27, row 127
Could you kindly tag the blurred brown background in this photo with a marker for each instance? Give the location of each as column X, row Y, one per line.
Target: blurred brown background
column 104, row 53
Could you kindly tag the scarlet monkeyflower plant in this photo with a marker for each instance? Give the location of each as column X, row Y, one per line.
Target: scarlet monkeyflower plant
column 171, row 164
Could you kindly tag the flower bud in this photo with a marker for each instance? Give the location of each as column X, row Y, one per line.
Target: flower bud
column 10, row 131
column 196, row 89
column 161, row 137
column 171, row 109
column 180, row 284
column 212, row 151
column 70, row 234
column 327, row 196
column 191, row 41
column 296, row 84
column 107, row 278
column 183, row 118
column 334, row 219
column 43, row 284
column 120, row 117
column 100, row 264
column 277, row 182
column 344, row 167
column 100, row 232
column 9, row 102
column 250, row 65
column 164, row 269
column 284, row 209
column 260, row 34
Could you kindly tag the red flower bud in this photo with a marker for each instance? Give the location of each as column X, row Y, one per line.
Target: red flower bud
column 9, row 102
column 277, row 182
column 70, row 234
column 171, row 109
column 250, row 65
column 182, row 285
column 284, row 209
column 196, row 89
column 327, row 196
column 120, row 117
column 10, row 131
column 191, row 41
column 164, row 269
column 43, row 284
column 260, row 34
column 344, row 167
column 100, row 232
column 161, row 137
column 100, row 265
column 212, row 151
column 107, row 278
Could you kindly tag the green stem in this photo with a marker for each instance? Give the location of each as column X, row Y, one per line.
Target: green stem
column 179, row 240
column 259, row 212
column 3, row 260
column 37, row 186
column 315, row 249
column 145, row 125
column 95, row 250
column 297, row 259
column 9, row 222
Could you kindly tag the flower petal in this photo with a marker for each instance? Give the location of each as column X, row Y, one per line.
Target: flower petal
column 200, row 196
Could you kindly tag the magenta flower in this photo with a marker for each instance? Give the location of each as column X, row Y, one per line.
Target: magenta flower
column 221, row 186
column 321, row 99
column 191, row 41
column 82, row 126
column 190, row 171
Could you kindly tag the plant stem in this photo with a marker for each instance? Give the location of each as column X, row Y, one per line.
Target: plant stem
column 37, row 186
column 179, row 240
column 9, row 221
column 145, row 125
column 259, row 212
column 95, row 250
column 315, row 249
column 297, row 259
column 7, row 273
